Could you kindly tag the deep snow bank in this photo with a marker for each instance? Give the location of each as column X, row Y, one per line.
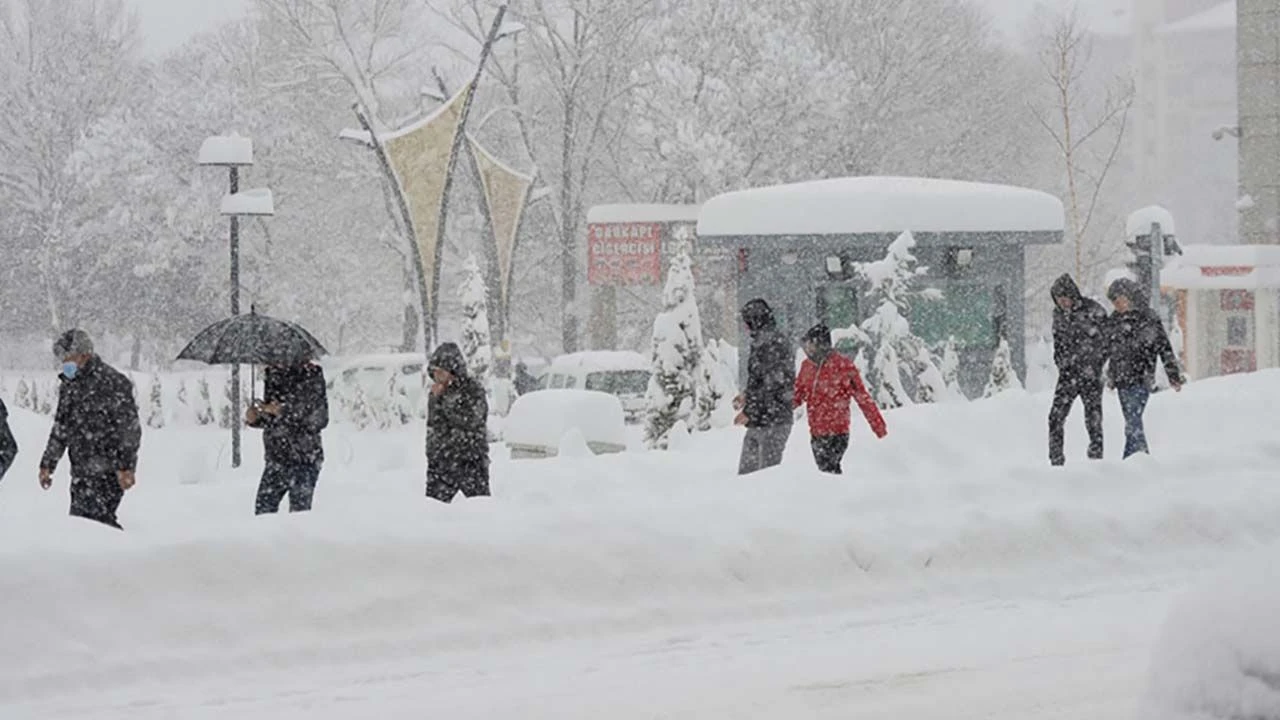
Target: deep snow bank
column 957, row 497
column 1219, row 654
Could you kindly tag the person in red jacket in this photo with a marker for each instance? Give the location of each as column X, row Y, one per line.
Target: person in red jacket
column 826, row 383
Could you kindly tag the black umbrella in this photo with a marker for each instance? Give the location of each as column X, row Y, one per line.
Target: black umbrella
column 253, row 339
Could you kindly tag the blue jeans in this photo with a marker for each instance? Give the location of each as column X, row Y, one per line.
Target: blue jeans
column 1133, row 401
column 296, row 481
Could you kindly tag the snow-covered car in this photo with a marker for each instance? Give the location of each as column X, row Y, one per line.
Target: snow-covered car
column 620, row 373
column 1218, row 656
column 372, row 375
column 548, row 423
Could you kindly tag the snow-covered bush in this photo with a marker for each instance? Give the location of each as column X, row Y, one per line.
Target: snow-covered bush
column 677, row 355
column 1041, row 373
column 155, row 403
column 204, row 403
column 716, row 389
column 477, row 346
column 1003, row 376
column 951, row 370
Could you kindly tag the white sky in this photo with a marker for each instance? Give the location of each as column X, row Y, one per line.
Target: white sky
column 166, row 24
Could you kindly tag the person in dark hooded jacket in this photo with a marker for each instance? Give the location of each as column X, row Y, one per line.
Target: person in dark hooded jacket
column 8, row 446
column 293, row 412
column 1137, row 337
column 1080, row 345
column 765, row 407
column 457, row 429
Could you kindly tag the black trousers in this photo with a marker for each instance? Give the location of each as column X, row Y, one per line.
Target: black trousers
column 97, row 498
column 278, row 480
column 445, row 487
column 828, row 451
column 1088, row 388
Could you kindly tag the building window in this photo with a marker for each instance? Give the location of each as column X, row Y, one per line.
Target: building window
column 1236, row 300
column 967, row 311
column 1237, row 331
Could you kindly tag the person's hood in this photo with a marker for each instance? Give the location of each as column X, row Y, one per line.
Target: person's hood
column 1127, row 288
column 1065, row 287
column 758, row 316
column 448, row 357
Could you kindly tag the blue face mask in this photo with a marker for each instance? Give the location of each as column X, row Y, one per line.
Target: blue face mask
column 69, row 370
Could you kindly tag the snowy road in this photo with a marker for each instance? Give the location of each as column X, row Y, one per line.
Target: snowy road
column 1055, row 655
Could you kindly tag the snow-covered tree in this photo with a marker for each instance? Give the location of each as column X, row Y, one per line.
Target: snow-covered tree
column 23, row 398
column 716, row 387
column 1003, row 377
column 677, row 355
column 893, row 287
column 951, row 369
column 477, row 346
column 155, row 403
column 204, row 403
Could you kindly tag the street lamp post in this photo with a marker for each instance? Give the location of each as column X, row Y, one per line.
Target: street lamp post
column 234, row 152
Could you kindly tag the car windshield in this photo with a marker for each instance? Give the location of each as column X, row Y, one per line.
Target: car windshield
column 619, row 382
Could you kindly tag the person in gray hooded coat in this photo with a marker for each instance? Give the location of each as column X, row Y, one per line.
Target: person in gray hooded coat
column 8, row 446
column 765, row 407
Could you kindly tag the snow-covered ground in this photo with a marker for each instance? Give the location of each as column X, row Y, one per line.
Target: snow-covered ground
column 950, row 573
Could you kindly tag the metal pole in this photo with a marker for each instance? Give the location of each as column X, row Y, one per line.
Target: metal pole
column 1157, row 259
column 235, row 310
column 406, row 218
column 458, row 137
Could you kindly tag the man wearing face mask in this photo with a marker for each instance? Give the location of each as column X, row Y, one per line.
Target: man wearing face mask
column 97, row 425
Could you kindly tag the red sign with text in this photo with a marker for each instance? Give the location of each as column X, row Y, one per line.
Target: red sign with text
column 624, row 254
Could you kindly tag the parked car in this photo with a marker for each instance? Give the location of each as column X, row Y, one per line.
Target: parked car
column 373, row 373
column 620, row 373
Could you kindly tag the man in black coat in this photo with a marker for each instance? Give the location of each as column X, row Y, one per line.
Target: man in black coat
column 457, row 429
column 97, row 424
column 1137, row 338
column 1079, row 351
column 293, row 412
column 8, row 446
column 765, row 406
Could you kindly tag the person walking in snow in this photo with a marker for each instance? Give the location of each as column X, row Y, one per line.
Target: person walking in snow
column 8, row 446
column 97, row 424
column 1079, row 350
column 765, row 407
column 825, row 385
column 457, row 429
column 1136, row 338
column 293, row 412
column 525, row 382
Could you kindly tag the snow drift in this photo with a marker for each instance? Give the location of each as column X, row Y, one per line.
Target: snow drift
column 957, row 498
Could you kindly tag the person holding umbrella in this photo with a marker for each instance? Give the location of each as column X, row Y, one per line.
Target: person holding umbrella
column 295, row 405
column 97, row 424
column 457, row 429
column 292, row 413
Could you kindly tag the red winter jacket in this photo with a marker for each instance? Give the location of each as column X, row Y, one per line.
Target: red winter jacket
column 827, row 389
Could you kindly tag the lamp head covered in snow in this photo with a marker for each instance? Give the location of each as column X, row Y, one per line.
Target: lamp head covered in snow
column 74, row 348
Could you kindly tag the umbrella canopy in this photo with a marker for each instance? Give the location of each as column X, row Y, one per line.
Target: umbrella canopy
column 253, row 339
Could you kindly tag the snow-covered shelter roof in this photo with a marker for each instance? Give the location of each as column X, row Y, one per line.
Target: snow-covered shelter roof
column 249, row 202
column 879, row 205
column 623, row 213
column 1141, row 220
column 1223, row 267
column 1219, row 17
column 226, row 150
